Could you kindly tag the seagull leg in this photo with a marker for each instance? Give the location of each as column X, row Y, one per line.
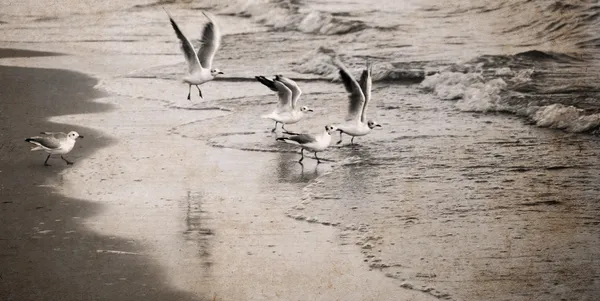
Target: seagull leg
column 68, row 162
column 46, row 162
column 352, row 140
column 275, row 128
column 199, row 92
column 340, row 138
column 318, row 161
column 190, row 92
column 301, row 152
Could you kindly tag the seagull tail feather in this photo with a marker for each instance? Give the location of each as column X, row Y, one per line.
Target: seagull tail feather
column 33, row 141
column 287, row 140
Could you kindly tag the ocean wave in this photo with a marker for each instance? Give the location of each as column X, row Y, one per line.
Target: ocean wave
column 568, row 118
column 545, row 55
column 547, row 24
column 498, row 90
column 319, row 62
column 451, row 85
column 291, row 15
column 524, row 84
column 563, row 22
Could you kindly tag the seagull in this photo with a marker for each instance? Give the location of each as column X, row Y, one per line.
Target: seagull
column 287, row 111
column 54, row 143
column 200, row 64
column 360, row 94
column 313, row 143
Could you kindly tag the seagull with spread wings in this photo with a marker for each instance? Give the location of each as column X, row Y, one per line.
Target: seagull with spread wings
column 54, row 143
column 288, row 92
column 359, row 96
column 200, row 68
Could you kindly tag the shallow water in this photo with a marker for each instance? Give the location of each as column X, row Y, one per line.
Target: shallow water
column 448, row 203
column 459, row 196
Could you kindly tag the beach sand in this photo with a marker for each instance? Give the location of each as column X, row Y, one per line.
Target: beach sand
column 47, row 251
column 148, row 212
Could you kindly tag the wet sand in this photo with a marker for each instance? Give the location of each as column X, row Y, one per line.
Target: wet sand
column 179, row 221
column 47, row 252
column 201, row 194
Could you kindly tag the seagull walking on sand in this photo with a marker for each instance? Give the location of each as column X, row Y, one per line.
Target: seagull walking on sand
column 200, row 68
column 360, row 94
column 54, row 143
column 287, row 111
column 313, row 143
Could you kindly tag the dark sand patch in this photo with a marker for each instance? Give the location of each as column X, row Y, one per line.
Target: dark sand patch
column 46, row 253
column 10, row 52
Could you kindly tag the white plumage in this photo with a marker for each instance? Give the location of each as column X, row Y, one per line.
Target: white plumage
column 200, row 68
column 359, row 96
column 54, row 143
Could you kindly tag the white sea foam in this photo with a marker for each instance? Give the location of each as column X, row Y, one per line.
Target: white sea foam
column 451, row 85
column 483, row 97
column 476, row 94
column 522, row 76
column 568, row 118
column 504, row 71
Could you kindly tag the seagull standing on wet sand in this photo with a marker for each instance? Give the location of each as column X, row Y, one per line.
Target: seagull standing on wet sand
column 200, row 64
column 287, row 111
column 313, row 143
column 360, row 94
column 54, row 143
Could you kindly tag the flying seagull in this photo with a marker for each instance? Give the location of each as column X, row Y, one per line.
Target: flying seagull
column 360, row 94
column 54, row 143
column 200, row 69
column 313, row 143
column 287, row 111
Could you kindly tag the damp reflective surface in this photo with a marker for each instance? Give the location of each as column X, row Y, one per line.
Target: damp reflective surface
column 481, row 185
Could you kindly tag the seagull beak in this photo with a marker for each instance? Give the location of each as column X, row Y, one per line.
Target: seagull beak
column 310, row 110
column 220, row 72
column 378, row 125
column 80, row 136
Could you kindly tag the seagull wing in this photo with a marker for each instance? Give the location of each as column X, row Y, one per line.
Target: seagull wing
column 296, row 92
column 303, row 138
column 210, row 43
column 365, row 86
column 58, row 135
column 356, row 97
column 186, row 47
column 285, row 97
column 267, row 82
column 49, row 142
column 283, row 92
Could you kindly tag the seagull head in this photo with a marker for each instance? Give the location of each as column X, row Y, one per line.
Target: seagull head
column 306, row 109
column 215, row 72
column 74, row 135
column 330, row 128
column 372, row 124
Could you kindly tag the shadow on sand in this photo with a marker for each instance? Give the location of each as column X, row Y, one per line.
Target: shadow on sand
column 46, row 252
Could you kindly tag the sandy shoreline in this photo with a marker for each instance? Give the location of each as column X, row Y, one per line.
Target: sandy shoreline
column 205, row 232
column 48, row 253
